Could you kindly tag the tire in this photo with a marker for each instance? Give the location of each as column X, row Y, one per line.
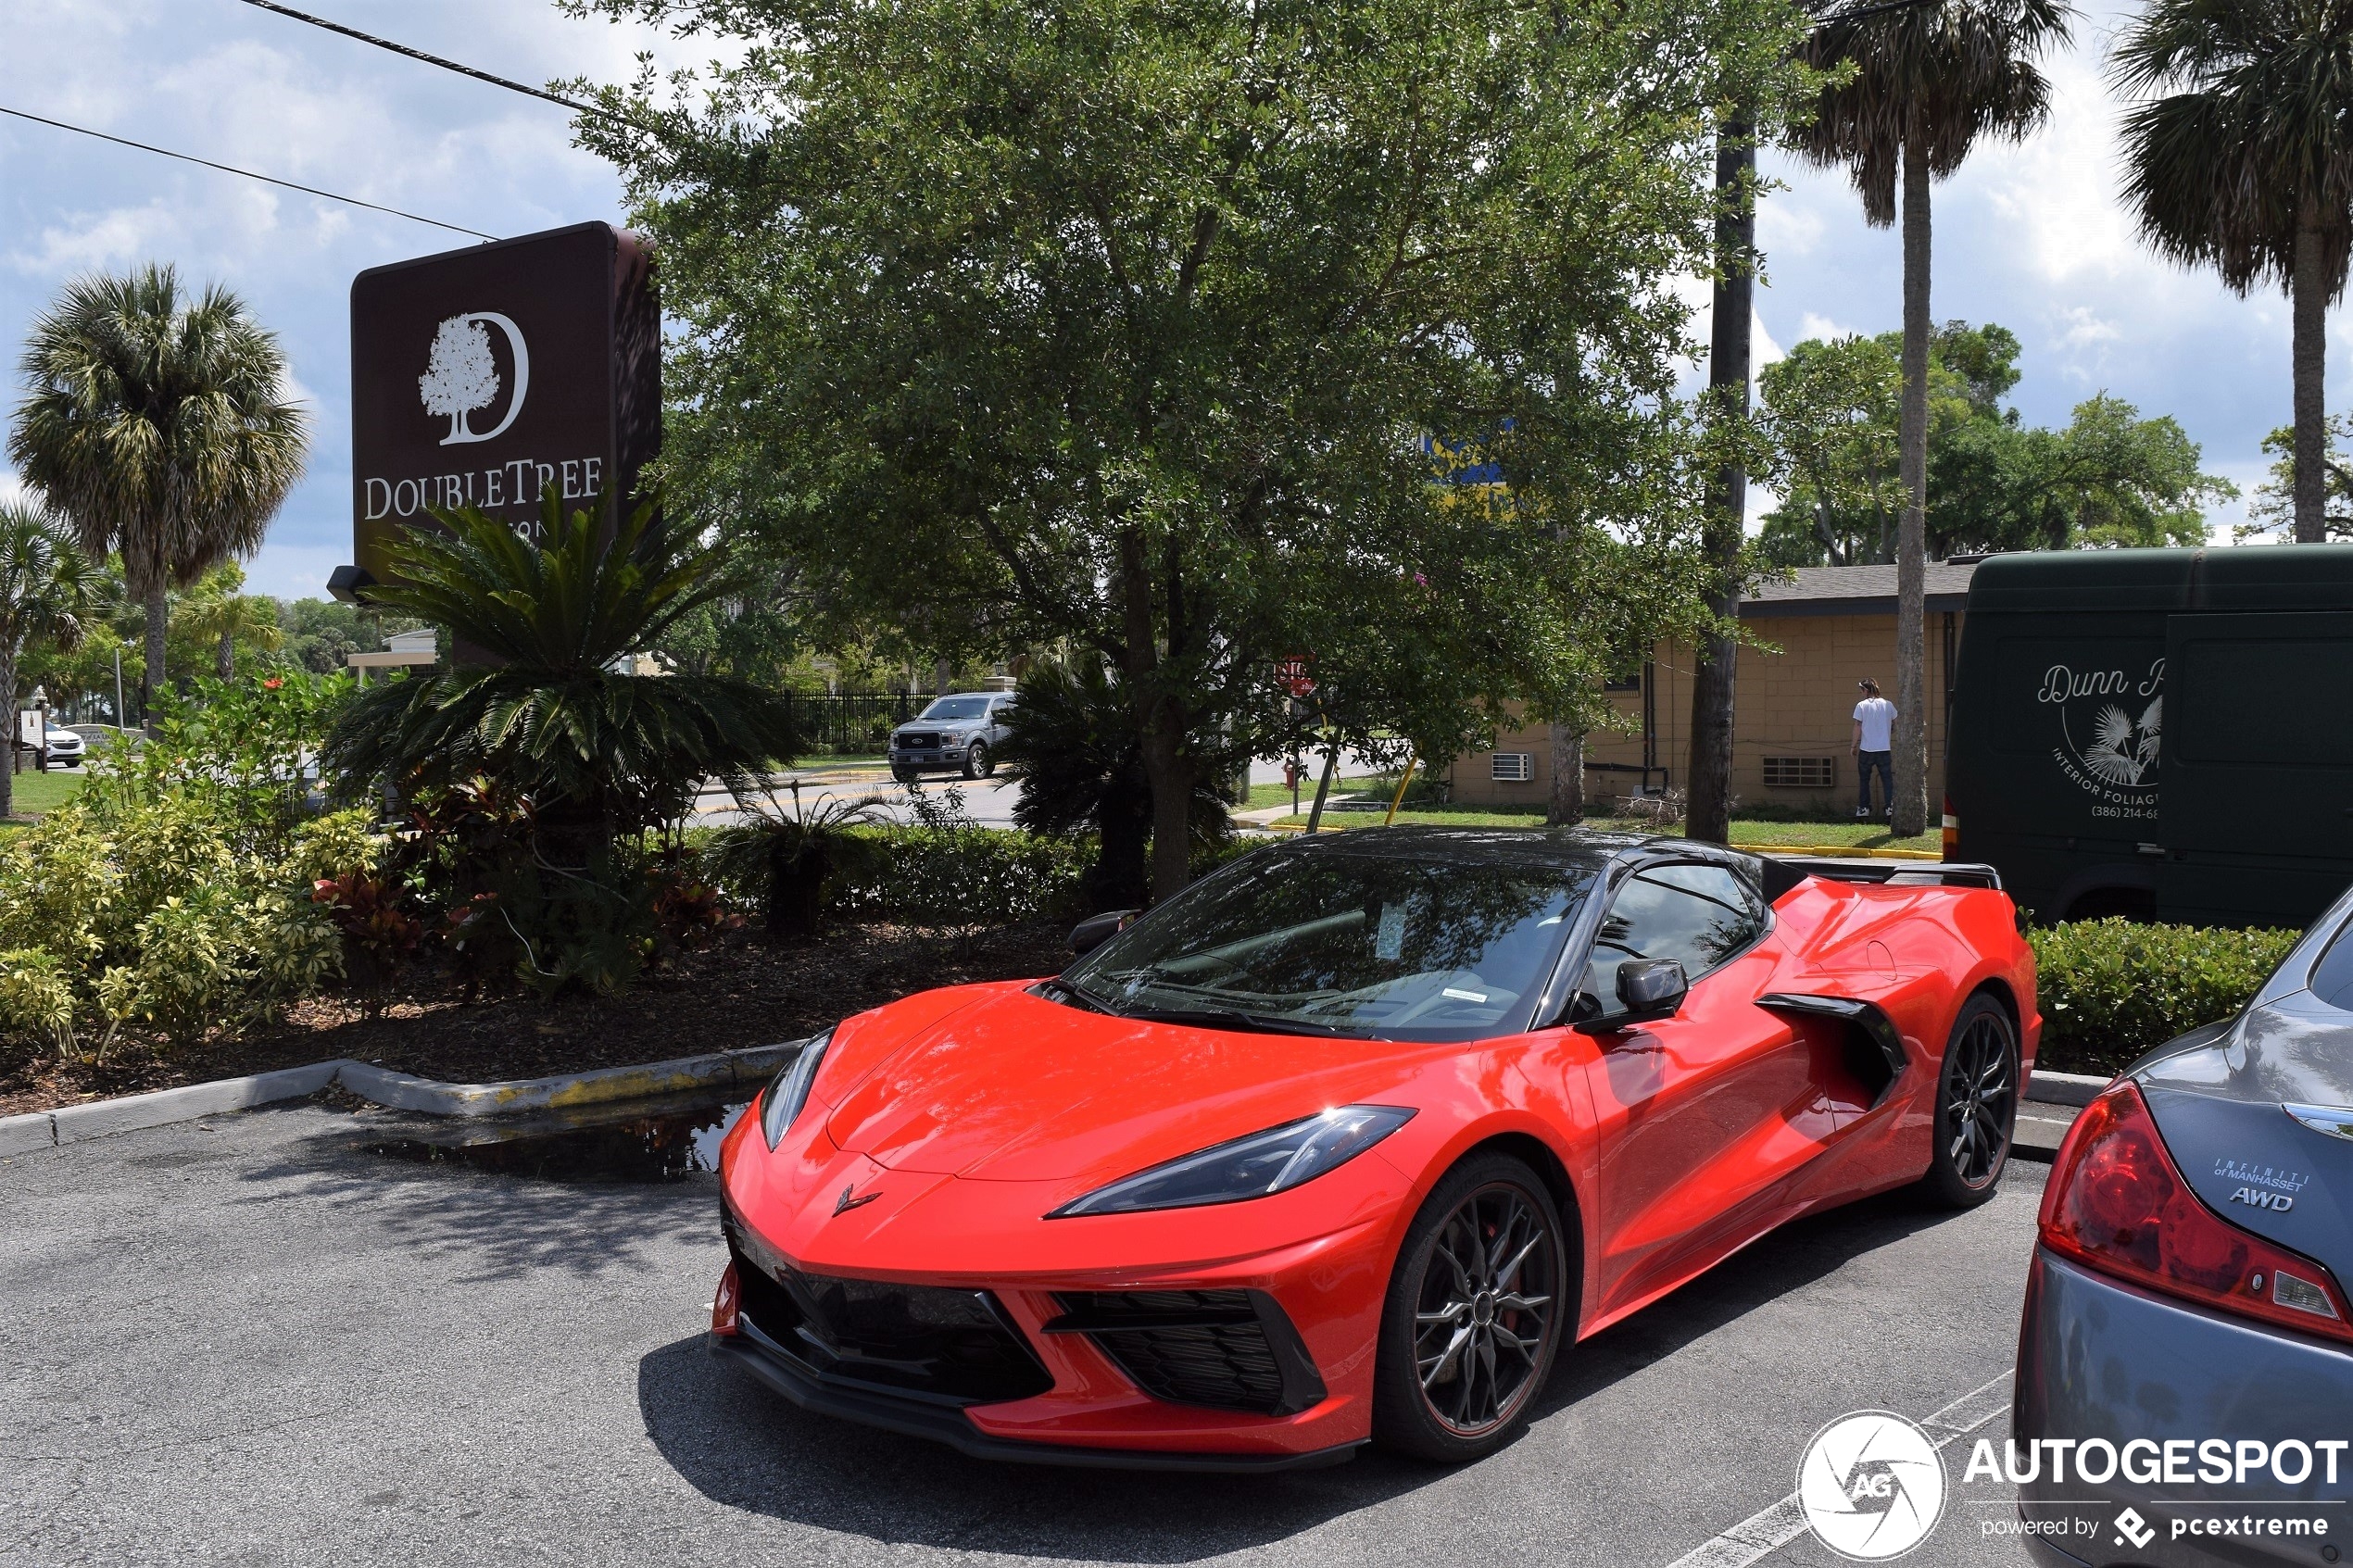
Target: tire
column 1977, row 1085
column 977, row 762
column 1442, row 1325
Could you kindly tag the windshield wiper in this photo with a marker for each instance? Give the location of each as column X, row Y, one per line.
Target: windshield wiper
column 1079, row 996
column 1229, row 1018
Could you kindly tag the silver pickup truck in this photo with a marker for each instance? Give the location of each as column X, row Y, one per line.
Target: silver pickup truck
column 956, row 733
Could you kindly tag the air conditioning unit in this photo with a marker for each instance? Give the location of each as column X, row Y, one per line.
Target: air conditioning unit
column 1515, row 766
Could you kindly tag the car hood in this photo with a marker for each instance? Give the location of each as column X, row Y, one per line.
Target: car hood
column 2219, row 1094
column 1015, row 1087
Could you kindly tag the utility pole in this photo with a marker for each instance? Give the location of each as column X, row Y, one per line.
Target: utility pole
column 1708, row 811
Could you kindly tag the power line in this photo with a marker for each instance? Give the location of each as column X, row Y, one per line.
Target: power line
column 574, row 105
column 229, row 168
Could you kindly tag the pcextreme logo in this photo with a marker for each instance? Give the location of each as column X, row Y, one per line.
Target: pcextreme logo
column 460, row 376
column 1871, row 1486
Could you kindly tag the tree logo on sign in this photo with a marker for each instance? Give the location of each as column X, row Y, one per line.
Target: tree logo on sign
column 461, row 377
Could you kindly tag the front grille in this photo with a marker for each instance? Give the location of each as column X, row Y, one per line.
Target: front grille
column 1226, row 1349
column 951, row 1344
column 919, row 741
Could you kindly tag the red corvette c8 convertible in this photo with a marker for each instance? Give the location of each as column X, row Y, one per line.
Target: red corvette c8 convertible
column 1348, row 1140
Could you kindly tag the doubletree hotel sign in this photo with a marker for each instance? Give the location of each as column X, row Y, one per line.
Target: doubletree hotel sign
column 481, row 377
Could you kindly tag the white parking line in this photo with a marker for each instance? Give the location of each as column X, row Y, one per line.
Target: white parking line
column 1767, row 1530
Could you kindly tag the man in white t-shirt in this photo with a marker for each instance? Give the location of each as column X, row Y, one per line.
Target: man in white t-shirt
column 1874, row 748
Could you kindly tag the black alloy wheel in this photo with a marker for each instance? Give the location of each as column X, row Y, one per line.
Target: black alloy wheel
column 1475, row 1311
column 1976, row 1104
column 977, row 762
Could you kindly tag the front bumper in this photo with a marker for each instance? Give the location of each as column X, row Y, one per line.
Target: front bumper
column 754, row 1353
column 2098, row 1359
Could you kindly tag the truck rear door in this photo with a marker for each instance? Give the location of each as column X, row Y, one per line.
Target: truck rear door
column 2255, row 818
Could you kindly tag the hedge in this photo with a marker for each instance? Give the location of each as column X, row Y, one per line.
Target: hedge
column 961, row 877
column 2110, row 989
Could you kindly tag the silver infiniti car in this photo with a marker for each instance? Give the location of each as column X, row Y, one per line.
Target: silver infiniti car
column 2185, row 1365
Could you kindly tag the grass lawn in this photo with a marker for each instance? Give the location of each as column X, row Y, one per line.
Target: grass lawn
column 1797, row 835
column 37, row 791
column 1265, row 794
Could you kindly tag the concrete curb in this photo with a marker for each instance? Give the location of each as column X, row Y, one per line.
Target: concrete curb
column 400, row 1091
column 2064, row 1088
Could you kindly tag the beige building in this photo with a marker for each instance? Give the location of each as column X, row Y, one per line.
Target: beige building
column 1794, row 725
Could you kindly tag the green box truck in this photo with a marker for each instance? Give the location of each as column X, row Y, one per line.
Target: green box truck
column 2164, row 734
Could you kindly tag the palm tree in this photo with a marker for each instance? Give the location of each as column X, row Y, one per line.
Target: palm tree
column 156, row 423
column 2245, row 164
column 218, row 614
column 1925, row 81
column 47, row 589
column 552, row 714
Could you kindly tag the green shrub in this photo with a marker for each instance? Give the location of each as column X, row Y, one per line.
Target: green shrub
column 175, row 892
column 36, row 998
column 959, row 875
column 2110, row 989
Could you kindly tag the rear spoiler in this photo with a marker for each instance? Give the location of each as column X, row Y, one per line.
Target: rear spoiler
column 1785, row 872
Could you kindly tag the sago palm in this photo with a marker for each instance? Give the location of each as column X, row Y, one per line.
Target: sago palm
column 156, row 423
column 47, row 590
column 544, row 697
column 1916, row 86
column 2239, row 155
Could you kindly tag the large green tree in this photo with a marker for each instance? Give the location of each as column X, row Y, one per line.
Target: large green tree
column 1913, row 88
column 156, row 422
column 2270, row 511
column 2239, row 155
column 2109, row 477
column 1116, row 326
column 1830, row 413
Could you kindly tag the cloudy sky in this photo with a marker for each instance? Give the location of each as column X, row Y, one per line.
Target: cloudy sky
column 2028, row 236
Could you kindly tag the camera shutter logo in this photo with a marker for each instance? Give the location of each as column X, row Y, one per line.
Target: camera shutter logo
column 461, row 378
column 1871, row 1486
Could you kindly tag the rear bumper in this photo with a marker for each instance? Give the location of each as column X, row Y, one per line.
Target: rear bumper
column 754, row 1353
column 2100, row 1359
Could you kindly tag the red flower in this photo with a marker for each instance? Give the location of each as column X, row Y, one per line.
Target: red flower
column 272, row 683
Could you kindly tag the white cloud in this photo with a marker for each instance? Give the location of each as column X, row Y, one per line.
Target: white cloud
column 92, row 240
column 1811, row 325
column 1785, row 227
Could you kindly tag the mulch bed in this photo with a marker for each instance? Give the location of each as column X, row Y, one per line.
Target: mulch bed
column 744, row 994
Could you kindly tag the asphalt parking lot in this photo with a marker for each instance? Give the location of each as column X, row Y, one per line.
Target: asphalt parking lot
column 247, row 1341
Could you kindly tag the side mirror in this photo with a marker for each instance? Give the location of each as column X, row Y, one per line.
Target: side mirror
column 1096, row 930
column 1647, row 989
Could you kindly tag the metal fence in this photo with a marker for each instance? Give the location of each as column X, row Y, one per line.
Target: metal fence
column 853, row 721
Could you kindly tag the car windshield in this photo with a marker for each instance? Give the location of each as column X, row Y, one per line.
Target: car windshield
column 1406, row 947
column 958, row 707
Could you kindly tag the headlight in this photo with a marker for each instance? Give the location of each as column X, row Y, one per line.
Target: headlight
column 780, row 1103
column 1274, row 1160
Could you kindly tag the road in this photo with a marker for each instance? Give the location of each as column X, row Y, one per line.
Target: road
column 246, row 1342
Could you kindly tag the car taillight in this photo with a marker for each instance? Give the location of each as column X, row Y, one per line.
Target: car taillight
column 1952, row 831
column 2117, row 1203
